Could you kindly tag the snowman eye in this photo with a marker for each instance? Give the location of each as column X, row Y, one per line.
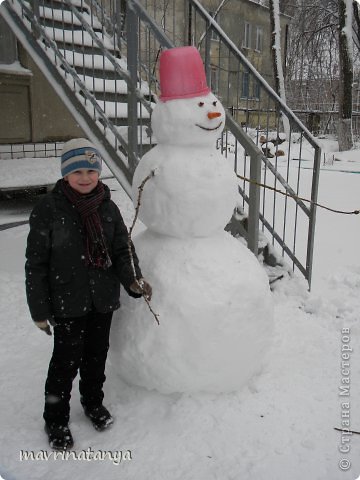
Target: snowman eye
column 201, row 104
column 214, row 103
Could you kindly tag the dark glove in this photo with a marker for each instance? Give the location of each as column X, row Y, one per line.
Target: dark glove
column 44, row 325
column 142, row 287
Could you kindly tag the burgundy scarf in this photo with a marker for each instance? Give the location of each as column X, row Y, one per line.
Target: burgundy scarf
column 97, row 254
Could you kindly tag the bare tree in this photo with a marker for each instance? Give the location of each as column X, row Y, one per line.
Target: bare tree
column 318, row 71
column 277, row 57
column 345, row 75
column 356, row 24
column 313, row 62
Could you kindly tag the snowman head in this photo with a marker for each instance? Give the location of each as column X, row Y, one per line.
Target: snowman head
column 188, row 113
column 189, row 121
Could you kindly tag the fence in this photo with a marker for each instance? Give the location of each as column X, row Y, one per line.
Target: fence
column 30, row 150
column 87, row 43
column 255, row 141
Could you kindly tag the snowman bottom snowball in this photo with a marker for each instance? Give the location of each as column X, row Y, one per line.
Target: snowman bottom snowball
column 216, row 317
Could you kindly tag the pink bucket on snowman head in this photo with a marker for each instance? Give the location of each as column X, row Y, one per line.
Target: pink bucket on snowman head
column 182, row 74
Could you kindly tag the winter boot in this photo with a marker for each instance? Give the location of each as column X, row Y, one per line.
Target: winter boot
column 60, row 437
column 99, row 416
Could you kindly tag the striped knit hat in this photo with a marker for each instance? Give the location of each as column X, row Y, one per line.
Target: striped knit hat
column 77, row 154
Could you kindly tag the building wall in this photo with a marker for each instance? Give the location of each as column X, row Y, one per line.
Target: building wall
column 233, row 17
column 50, row 119
column 247, row 24
column 31, row 110
column 15, row 118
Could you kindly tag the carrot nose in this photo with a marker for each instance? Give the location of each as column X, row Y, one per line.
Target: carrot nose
column 212, row 115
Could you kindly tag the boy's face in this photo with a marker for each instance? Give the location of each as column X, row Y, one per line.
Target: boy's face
column 83, row 181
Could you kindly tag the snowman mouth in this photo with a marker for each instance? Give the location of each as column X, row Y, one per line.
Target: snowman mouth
column 208, row 129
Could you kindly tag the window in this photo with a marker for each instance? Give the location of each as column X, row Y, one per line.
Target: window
column 259, row 39
column 214, row 80
column 247, row 35
column 245, row 85
column 257, row 89
column 214, row 35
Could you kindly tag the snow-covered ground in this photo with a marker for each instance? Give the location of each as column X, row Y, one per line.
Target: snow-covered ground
column 279, row 427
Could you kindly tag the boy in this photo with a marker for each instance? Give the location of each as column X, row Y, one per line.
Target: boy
column 77, row 256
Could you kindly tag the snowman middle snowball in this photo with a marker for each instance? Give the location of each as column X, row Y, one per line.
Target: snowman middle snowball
column 194, row 190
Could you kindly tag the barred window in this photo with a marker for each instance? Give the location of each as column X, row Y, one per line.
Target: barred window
column 259, row 39
column 247, row 35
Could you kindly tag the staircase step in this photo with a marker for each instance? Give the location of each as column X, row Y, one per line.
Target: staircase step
column 142, row 149
column 87, row 50
column 111, row 86
column 94, row 69
column 66, row 17
column 124, row 121
column 117, row 113
column 61, row 5
column 145, row 143
column 60, row 25
column 78, row 37
column 119, row 110
column 97, row 73
column 143, row 134
column 112, row 90
column 117, row 97
column 111, row 97
column 97, row 62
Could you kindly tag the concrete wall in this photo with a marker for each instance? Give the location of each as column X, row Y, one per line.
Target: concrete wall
column 31, row 110
column 15, row 118
column 51, row 121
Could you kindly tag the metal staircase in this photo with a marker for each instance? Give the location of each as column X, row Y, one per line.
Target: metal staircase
column 101, row 57
column 83, row 63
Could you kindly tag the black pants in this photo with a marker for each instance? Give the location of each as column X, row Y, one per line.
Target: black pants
column 82, row 344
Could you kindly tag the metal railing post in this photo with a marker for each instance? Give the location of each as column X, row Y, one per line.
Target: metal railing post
column 132, row 56
column 207, row 54
column 36, row 10
column 312, row 216
column 118, row 19
column 254, row 203
column 189, row 24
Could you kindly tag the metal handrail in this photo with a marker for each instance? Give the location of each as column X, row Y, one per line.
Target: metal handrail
column 39, row 32
column 138, row 18
column 70, row 70
column 257, row 156
column 70, row 98
column 238, row 53
column 99, row 43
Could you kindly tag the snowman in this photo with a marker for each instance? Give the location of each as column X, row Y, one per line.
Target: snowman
column 211, row 294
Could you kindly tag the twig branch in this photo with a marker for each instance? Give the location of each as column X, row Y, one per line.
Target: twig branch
column 138, row 282
column 344, row 212
column 140, row 188
column 345, row 430
column 156, row 315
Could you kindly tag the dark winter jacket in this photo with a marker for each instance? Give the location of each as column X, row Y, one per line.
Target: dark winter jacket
column 58, row 281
